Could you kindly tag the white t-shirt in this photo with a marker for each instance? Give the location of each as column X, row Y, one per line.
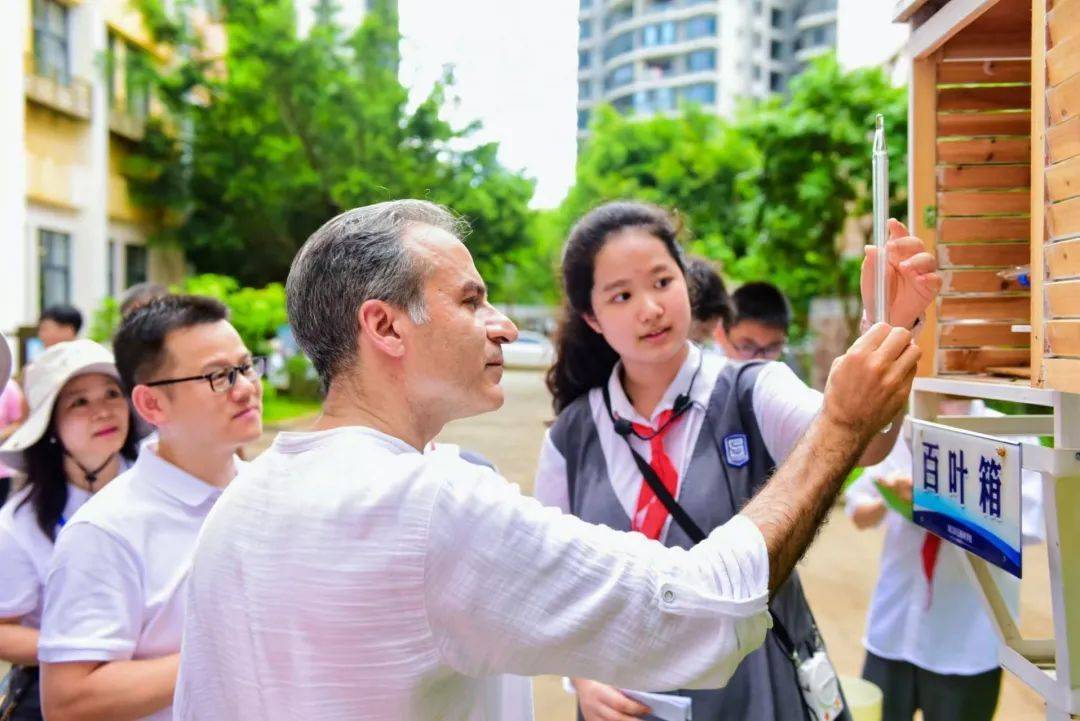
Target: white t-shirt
column 25, row 553
column 344, row 575
column 116, row 586
column 783, row 406
column 947, row 631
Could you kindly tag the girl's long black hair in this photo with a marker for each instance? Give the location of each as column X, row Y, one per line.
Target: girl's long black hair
column 583, row 359
column 46, row 479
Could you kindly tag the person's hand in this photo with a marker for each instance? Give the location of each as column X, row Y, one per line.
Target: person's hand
column 600, row 702
column 912, row 281
column 869, row 384
column 898, row 483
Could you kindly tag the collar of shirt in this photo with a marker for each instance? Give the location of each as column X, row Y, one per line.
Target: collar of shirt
column 702, row 389
column 172, row 480
column 297, row 441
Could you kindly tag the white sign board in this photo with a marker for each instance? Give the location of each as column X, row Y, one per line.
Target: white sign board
column 966, row 489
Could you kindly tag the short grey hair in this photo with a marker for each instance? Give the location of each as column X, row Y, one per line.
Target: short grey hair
column 358, row 256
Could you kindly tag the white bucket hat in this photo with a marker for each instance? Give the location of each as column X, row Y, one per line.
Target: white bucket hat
column 42, row 383
column 5, row 362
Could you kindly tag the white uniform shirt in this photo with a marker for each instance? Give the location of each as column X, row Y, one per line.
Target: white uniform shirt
column 25, row 552
column 344, row 575
column 783, row 406
column 116, row 590
column 948, row 631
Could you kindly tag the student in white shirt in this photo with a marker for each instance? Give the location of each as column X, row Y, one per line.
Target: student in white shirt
column 347, row 575
column 114, row 600
column 632, row 392
column 78, row 436
column 930, row 645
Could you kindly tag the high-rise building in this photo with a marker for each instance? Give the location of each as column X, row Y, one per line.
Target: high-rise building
column 649, row 56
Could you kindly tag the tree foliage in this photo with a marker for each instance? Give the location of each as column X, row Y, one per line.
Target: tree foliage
column 264, row 145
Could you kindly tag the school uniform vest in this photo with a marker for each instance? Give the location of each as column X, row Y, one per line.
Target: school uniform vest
column 728, row 466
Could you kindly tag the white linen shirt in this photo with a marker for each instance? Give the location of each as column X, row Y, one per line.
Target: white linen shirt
column 344, row 575
column 783, row 406
column 25, row 552
column 948, row 631
column 116, row 587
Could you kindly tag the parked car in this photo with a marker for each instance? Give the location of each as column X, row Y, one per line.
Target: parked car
column 530, row 350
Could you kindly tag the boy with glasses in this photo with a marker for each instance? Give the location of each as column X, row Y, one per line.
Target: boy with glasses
column 115, row 596
column 757, row 327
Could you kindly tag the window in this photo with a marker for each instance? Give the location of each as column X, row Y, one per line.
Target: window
column 110, row 271
column 701, row 93
column 586, row 4
column 776, row 50
column 582, row 119
column 54, row 250
column 776, row 82
column 757, row 8
column 755, row 39
column 135, row 265
column 128, row 87
column 622, row 75
column 624, row 104
column 657, row 6
column 584, row 59
column 585, row 29
column 756, row 71
column 700, row 60
column 702, row 26
column 659, row 68
column 777, row 18
column 51, row 44
column 617, row 16
column 620, row 44
column 584, row 89
column 658, row 34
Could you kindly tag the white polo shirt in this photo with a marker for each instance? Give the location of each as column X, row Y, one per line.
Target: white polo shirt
column 116, row 588
column 25, row 552
column 344, row 575
column 945, row 631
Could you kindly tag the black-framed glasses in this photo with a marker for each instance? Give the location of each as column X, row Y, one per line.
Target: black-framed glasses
column 753, row 351
column 223, row 379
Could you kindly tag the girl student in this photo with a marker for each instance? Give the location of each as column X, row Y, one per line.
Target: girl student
column 78, row 436
column 642, row 408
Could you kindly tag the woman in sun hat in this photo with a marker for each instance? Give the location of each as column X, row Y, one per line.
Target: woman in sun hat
column 78, row 436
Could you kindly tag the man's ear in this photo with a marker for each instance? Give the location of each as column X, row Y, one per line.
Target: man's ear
column 720, row 335
column 591, row 321
column 378, row 323
column 151, row 404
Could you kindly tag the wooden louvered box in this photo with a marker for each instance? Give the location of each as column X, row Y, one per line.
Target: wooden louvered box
column 995, row 185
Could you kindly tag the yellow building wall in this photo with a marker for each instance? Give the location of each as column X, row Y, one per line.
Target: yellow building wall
column 57, row 157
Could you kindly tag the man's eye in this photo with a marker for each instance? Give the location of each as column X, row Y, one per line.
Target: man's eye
column 220, row 375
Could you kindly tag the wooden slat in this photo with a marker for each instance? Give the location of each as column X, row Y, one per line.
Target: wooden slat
column 994, row 307
column 959, row 177
column 1063, row 101
column 984, row 150
column 1038, row 183
column 1063, row 259
column 977, row 360
column 1063, row 298
column 1063, row 21
column 981, row 334
column 1063, row 140
column 923, row 153
column 991, row 97
column 1063, row 179
column 978, row 281
column 991, row 71
column 989, row 46
column 1063, row 337
column 1063, row 218
column 968, row 124
column 1063, row 61
column 1010, row 371
column 984, row 255
column 966, row 202
column 974, row 230
column 1062, row 374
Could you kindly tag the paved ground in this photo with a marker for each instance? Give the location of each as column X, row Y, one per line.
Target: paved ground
column 839, row 572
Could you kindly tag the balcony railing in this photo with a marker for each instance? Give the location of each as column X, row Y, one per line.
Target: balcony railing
column 70, row 96
column 127, row 124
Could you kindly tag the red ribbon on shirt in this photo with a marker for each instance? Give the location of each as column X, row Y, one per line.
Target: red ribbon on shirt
column 651, row 514
column 931, row 545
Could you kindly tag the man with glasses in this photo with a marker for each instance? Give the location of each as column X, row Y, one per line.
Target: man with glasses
column 115, row 596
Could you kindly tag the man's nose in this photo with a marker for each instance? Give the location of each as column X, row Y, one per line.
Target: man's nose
column 500, row 328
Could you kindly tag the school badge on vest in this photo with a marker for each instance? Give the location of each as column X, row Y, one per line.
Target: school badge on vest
column 736, row 450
